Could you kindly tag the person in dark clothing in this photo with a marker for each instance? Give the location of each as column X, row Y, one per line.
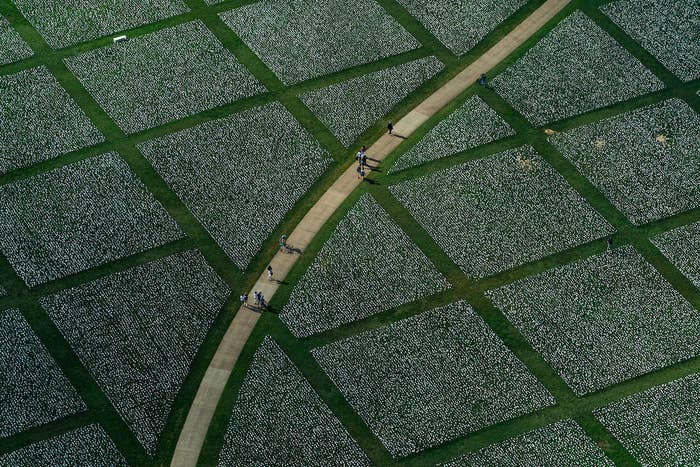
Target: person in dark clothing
column 390, row 127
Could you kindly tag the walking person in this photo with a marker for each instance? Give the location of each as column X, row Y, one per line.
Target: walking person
column 283, row 243
column 362, row 174
column 269, row 273
column 390, row 127
column 262, row 300
column 610, row 244
column 482, row 80
column 256, row 298
column 364, row 160
column 243, row 299
column 359, row 170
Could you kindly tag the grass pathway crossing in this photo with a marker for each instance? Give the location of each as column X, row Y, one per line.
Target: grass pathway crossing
column 217, row 374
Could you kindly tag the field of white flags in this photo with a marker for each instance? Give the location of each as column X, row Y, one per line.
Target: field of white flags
column 12, row 47
column 303, row 39
column 88, row 445
column 278, row 419
column 240, row 175
column 474, row 123
column 137, row 332
column 66, row 23
column 77, row 217
column 461, row 25
column 660, row 426
column 422, row 315
column 575, row 68
column 682, row 247
column 431, row 378
column 367, row 266
column 34, row 390
column 501, row 211
column 350, row 107
column 162, row 76
column 39, row 120
column 602, row 320
column 561, row 443
column 668, row 29
column 645, row 161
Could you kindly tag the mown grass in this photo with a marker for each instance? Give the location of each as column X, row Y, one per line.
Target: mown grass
column 569, row 405
column 100, row 410
column 27, row 299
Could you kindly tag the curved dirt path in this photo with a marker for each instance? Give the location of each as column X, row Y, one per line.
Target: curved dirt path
column 211, row 388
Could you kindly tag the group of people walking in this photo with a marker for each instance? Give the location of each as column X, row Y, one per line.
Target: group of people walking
column 361, row 162
column 361, row 157
column 258, row 297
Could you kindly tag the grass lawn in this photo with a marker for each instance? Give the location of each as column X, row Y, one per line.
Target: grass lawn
column 115, row 326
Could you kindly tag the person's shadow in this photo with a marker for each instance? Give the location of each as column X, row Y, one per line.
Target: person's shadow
column 254, row 308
